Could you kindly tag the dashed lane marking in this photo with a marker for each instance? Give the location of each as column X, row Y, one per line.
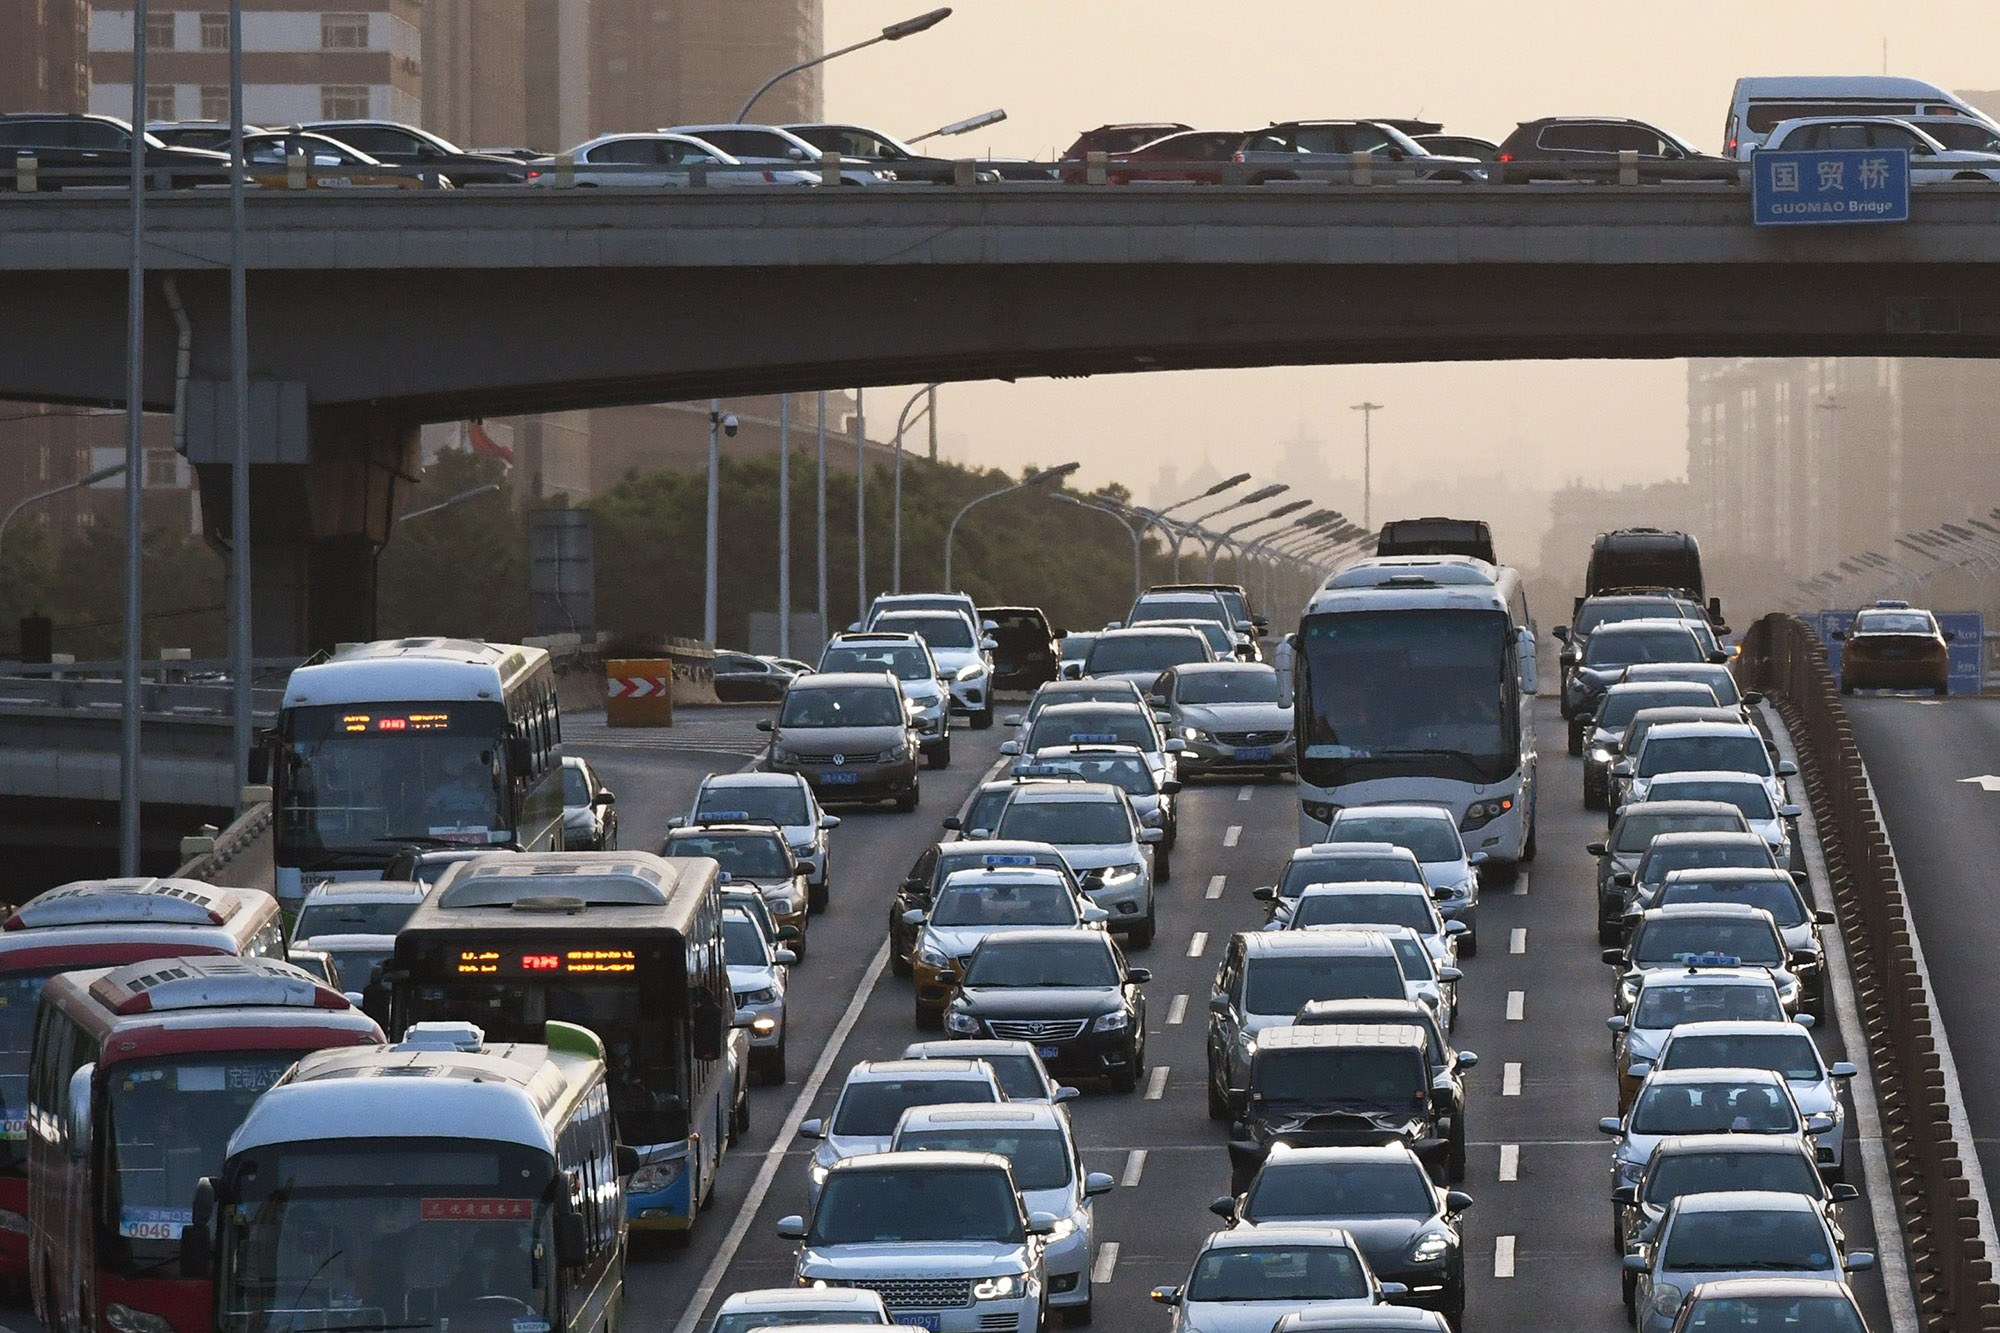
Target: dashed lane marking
column 1197, row 944
column 1215, row 883
column 1177, row 1011
column 1503, row 1256
column 1517, row 1009
column 1106, row 1265
column 1521, row 884
column 1135, row 1166
column 1243, row 793
column 1510, row 1162
column 1517, row 940
column 1231, row 834
column 1156, row 1083
column 1510, row 1079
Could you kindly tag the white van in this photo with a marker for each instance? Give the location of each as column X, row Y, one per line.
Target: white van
column 1759, row 104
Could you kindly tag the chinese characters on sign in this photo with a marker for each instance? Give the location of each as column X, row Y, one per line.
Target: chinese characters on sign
column 1830, row 186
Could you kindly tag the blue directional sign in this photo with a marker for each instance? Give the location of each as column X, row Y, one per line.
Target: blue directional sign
column 1967, row 671
column 1830, row 186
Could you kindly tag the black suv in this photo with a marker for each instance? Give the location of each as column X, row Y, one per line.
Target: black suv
column 407, row 146
column 72, row 150
column 1025, row 656
column 1586, row 148
column 1336, row 1084
column 1448, row 1066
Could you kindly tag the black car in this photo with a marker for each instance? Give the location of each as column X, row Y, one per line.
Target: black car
column 741, row 678
column 1405, row 1223
column 590, row 811
column 1119, row 138
column 1067, row 991
column 915, row 891
column 1025, row 655
column 1595, row 611
column 858, row 143
column 1586, row 148
column 210, row 134
column 1460, row 145
column 72, row 150
column 1335, row 1085
column 407, row 146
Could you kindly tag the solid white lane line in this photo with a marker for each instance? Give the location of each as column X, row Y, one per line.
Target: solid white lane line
column 1135, row 1166
column 774, row 1156
column 1517, row 1005
column 1106, row 1265
column 1197, row 943
column 1510, row 1162
column 1215, row 883
column 1177, row 1011
column 1510, row 1079
column 1231, row 834
column 1503, row 1256
column 1517, row 940
column 1243, row 792
column 1156, row 1083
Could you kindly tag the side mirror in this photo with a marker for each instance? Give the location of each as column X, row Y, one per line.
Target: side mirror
column 258, row 771
column 572, row 1241
column 1842, row 1069
column 1753, row 696
column 1269, row 894
column 1011, row 720
column 1010, row 747
column 1622, row 769
column 1789, row 812
column 1098, row 1183
column 1457, row 1201
column 1138, row 976
column 1561, row 632
column 1597, row 849
column 1950, row 635
column 1786, row 768
column 1152, row 835
column 1450, row 974
column 1623, row 879
column 1065, row 1093
column 988, row 645
column 785, row 957
column 1468, row 1061
column 1802, row 958
column 1860, row 1261
column 604, row 798
column 1617, row 1023
column 1611, row 1125
column 812, row 1129
column 786, row 933
column 913, row 918
column 952, row 822
column 1819, row 1122
column 1457, row 928
column 1170, row 787
column 1224, row 1208
column 198, row 1237
column 1635, row 1263
column 763, row 724
column 1218, row 1004
column 1719, row 657
column 1639, row 1069
column 1094, row 916
column 1843, row 1193
column 829, row 822
column 1391, row 1290
column 1176, row 745
column 77, row 1127
column 792, row 1228
column 1167, row 1295
column 1625, row 1195
column 1041, row 1224
column 1823, row 917
column 1613, row 957
column 1839, row 636
column 627, row 1158
column 1806, row 1021
column 1476, row 859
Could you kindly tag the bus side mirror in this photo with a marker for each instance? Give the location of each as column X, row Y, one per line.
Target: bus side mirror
column 628, row 1158
column 198, row 1237
column 711, row 1030
column 77, row 1130
column 519, row 760
column 258, row 771
column 572, row 1243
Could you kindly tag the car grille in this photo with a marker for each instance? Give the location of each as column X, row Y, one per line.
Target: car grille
column 1053, row 1029
column 1252, row 737
column 1000, row 1321
column 921, row 1293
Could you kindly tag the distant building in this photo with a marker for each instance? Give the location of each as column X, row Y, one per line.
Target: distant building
column 45, row 55
column 1577, row 513
column 475, row 63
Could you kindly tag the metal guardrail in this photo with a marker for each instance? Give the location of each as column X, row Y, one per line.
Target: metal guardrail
column 183, row 700
column 1954, row 1275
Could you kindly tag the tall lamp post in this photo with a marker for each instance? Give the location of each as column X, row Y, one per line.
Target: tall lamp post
column 135, row 471
column 928, row 396
column 966, row 126
column 719, row 422
column 1255, row 497
column 1041, row 478
column 895, row 32
column 88, row 479
column 1223, row 538
column 1138, row 541
column 1367, row 411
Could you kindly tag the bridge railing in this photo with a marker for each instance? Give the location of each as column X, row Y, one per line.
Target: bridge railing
column 1954, row 1274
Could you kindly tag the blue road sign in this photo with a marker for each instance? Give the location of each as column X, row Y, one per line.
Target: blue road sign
column 1829, row 186
column 1966, row 673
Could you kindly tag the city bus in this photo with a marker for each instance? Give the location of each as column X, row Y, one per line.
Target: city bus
column 1412, row 683
column 140, row 1075
column 626, row 944
column 441, row 1183
column 412, row 743
column 100, row 923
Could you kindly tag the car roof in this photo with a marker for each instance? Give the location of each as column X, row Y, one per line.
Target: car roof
column 1713, row 1074
column 1286, row 1155
column 1402, row 810
column 983, row 1115
column 1041, row 937
column 1267, row 943
column 1731, row 874
column 930, row 1160
column 1646, row 624
column 1675, row 1144
column 1667, row 730
column 1739, row 1027
column 1335, row 850
column 1731, row 1201
column 1344, row 1036
column 1269, row 1234
column 1152, row 628
column 827, row 680
column 368, row 891
column 715, row 780
column 1697, row 975
column 975, row 1048
column 1224, row 668
column 1679, row 806
column 1408, row 888
column 1683, row 911
column 1066, row 792
column 1689, row 776
column 1743, row 1288
column 1709, row 837
column 777, row 1299
column 873, row 1071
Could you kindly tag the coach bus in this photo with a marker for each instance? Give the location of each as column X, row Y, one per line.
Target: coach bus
column 99, row 923
column 412, row 743
column 441, row 1183
column 140, row 1075
column 626, row 944
column 1412, row 682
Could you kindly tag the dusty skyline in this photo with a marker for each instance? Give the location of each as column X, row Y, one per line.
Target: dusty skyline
column 1479, row 68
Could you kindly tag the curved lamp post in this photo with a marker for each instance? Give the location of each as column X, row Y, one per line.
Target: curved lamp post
column 1138, row 547
column 1043, row 477
column 895, row 32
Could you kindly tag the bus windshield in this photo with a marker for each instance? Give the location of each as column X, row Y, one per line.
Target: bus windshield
column 359, row 778
column 1408, row 694
column 168, row 1124
column 354, row 1236
column 19, row 992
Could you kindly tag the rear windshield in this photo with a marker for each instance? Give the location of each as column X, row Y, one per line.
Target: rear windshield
column 1715, row 676
column 1147, row 652
column 1723, row 1172
column 1892, row 622
column 1040, row 1156
column 1741, row 753
column 1113, row 726
column 1712, row 1108
column 1358, row 908
column 871, row 1108
column 1431, row 839
column 338, row 918
column 780, row 805
column 1619, row 705
column 1595, row 614
column 1284, row 985
column 1251, row 685
column 1749, row 797
column 1789, row 1053
column 1745, row 1239
column 1779, row 897
column 1637, row 830
column 743, row 855
column 1340, row 1189
column 906, row 662
column 1364, row 1077
column 1747, row 854
column 1065, row 823
column 1666, row 940
column 1179, row 608
column 1348, row 870
column 1624, row 647
column 1669, row 1006
column 941, row 629
column 984, row 903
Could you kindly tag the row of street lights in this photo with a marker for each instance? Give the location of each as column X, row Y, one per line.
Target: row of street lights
column 1972, row 547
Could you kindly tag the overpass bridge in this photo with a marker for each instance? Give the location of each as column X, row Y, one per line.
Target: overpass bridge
column 372, row 314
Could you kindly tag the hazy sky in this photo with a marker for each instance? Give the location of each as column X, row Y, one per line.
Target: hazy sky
column 1479, row 66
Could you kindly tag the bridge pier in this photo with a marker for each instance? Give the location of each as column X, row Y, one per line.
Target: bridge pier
column 323, row 496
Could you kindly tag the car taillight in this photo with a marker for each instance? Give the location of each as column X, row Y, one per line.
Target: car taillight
column 533, row 174
column 1239, row 157
column 1732, row 145
column 771, row 176
column 1506, row 157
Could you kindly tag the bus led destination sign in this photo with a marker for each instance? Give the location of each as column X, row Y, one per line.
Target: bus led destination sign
column 532, row 962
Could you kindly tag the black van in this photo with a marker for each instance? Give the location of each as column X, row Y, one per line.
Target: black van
column 1648, row 560
column 1437, row 536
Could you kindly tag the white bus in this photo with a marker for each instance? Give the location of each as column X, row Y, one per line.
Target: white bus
column 1758, row 104
column 1413, row 678
column 408, row 743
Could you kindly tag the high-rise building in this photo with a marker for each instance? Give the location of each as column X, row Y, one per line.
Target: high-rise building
column 475, row 62
column 696, row 61
column 45, row 55
column 300, row 61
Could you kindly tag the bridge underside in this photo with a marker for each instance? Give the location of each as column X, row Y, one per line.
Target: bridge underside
column 47, row 841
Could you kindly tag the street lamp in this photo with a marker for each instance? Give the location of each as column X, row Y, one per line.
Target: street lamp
column 1222, row 538
column 1041, row 478
column 967, row 126
column 895, row 32
column 89, row 479
column 460, row 498
column 718, row 420
column 1255, row 497
column 1228, row 483
column 1138, row 541
column 1367, row 411
column 903, row 421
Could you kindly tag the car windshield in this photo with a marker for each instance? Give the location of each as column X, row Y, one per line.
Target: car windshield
column 1637, row 830
column 907, row 662
column 1722, row 1172
column 1081, row 692
column 1085, row 961
column 743, row 855
column 1129, row 773
column 984, row 903
column 1596, row 613
column 1733, row 752
column 1748, row 1240
column 1779, row 897
column 1020, row 1075
column 743, row 942
column 1431, row 839
column 1716, row 677
column 1665, row 1006
column 1371, row 1077
column 1040, row 1157
column 339, row 918
column 1333, row 1190
column 576, row 789
column 1105, row 726
column 356, row 779
column 1623, row 647
column 913, row 1206
column 1789, row 1053
column 1749, row 797
column 1248, row 685
column 748, row 1321
column 1892, row 622
column 843, row 706
column 1349, row 907
column 1761, row 1314
column 1146, row 652
column 1620, row 704
column 1309, row 870
column 1748, row 854
column 780, row 805
column 1201, row 607
column 1284, row 985
column 1414, row 957
column 940, row 629
column 1666, row 940
column 870, row 1108
column 1278, row 1273
column 1066, row 823
column 1712, row 1108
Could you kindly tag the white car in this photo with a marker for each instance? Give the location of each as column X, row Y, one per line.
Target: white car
column 1037, row 1141
column 1772, row 821
column 641, row 161
column 1095, row 828
column 1105, row 722
column 358, row 907
column 906, row 657
column 758, row 979
column 876, row 1094
column 1703, row 1101
column 785, row 799
column 1018, row 1066
column 1431, row 832
column 1337, row 863
column 783, row 1307
column 1687, row 747
column 973, row 904
column 941, row 1235
column 1670, row 997
column 1143, row 653
column 767, row 145
column 1246, row 1279
column 1786, row 1049
column 1365, row 905
column 964, row 656
column 1930, row 161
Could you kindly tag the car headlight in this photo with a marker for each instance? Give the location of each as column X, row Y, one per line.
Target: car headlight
column 765, row 996
column 894, row 754
column 782, row 755
column 961, row 1023
column 781, row 904
column 1629, row 1172
column 1430, row 1247
column 653, row 1178
column 1628, row 992
column 1115, row 1021
column 999, row 1288
column 1599, row 755
column 1064, row 1228
column 805, row 851
column 1195, row 734
column 1120, row 873
column 1666, row 1299
column 970, row 671
column 932, row 956
column 127, row 1320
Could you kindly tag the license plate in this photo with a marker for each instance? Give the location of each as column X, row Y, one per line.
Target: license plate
column 839, row 779
column 1250, row 752
column 918, row 1319
column 1895, row 652
column 1046, row 1052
